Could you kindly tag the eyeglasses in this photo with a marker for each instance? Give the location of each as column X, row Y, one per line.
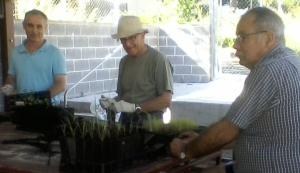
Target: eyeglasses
column 130, row 39
column 242, row 37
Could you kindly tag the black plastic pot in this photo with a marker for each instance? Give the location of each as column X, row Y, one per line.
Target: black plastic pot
column 68, row 154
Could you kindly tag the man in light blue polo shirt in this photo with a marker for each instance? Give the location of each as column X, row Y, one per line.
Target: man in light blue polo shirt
column 36, row 65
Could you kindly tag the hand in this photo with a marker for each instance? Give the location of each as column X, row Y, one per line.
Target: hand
column 178, row 145
column 7, row 89
column 188, row 136
column 122, row 106
column 106, row 102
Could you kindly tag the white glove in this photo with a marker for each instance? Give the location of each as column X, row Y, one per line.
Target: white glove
column 7, row 89
column 106, row 102
column 122, row 106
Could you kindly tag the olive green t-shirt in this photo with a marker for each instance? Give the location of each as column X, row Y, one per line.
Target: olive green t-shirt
column 144, row 78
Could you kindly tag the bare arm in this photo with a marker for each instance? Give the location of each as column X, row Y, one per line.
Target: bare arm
column 216, row 137
column 60, row 83
column 159, row 103
column 59, row 86
column 9, row 86
column 10, row 80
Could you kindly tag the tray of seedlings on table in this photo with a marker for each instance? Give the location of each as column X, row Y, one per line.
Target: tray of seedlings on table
column 92, row 145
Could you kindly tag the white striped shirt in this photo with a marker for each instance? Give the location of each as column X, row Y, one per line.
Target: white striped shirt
column 268, row 113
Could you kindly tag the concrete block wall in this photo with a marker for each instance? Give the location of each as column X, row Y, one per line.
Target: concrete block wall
column 186, row 68
column 86, row 44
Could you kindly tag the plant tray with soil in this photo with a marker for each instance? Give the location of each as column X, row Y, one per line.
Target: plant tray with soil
column 93, row 145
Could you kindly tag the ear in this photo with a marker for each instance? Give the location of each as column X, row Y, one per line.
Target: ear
column 143, row 35
column 271, row 39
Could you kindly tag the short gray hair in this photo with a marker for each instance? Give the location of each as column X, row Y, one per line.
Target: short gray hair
column 34, row 12
column 268, row 20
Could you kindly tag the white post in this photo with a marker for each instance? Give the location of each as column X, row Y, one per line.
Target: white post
column 214, row 65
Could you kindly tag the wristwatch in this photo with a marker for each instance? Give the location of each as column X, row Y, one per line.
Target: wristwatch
column 183, row 158
column 138, row 108
column 182, row 155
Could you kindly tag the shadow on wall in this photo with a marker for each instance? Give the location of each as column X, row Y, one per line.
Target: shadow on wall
column 190, row 53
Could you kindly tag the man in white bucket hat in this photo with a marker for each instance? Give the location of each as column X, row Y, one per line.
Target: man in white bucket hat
column 145, row 81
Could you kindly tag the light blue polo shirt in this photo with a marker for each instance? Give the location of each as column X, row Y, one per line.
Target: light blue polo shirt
column 36, row 71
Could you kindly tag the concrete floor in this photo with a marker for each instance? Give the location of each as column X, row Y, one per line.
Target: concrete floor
column 205, row 103
column 16, row 156
column 224, row 89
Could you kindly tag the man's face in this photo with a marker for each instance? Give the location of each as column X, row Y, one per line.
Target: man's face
column 251, row 43
column 35, row 26
column 134, row 45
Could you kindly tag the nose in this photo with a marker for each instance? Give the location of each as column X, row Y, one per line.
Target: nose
column 126, row 43
column 35, row 29
column 236, row 44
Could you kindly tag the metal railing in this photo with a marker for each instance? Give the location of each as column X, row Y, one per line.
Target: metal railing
column 117, row 49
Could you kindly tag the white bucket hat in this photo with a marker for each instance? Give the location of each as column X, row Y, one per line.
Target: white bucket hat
column 128, row 26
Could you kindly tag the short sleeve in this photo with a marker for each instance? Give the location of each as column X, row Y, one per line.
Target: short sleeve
column 59, row 64
column 164, row 75
column 11, row 67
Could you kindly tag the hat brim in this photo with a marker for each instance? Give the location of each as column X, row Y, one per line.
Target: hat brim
column 118, row 36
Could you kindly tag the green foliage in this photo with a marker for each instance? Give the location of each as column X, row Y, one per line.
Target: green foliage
column 247, row 4
column 295, row 12
column 174, row 127
column 226, row 42
column 94, row 129
column 69, row 128
column 289, row 5
column 271, row 3
column 169, row 14
column 191, row 10
column 293, row 44
column 55, row 2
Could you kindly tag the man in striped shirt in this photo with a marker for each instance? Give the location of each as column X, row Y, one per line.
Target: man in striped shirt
column 264, row 121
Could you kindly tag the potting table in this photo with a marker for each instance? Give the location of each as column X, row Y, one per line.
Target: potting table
column 172, row 165
column 17, row 156
column 22, row 152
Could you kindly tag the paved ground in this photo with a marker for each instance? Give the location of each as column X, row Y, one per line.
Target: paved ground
column 206, row 103
column 18, row 157
column 222, row 90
